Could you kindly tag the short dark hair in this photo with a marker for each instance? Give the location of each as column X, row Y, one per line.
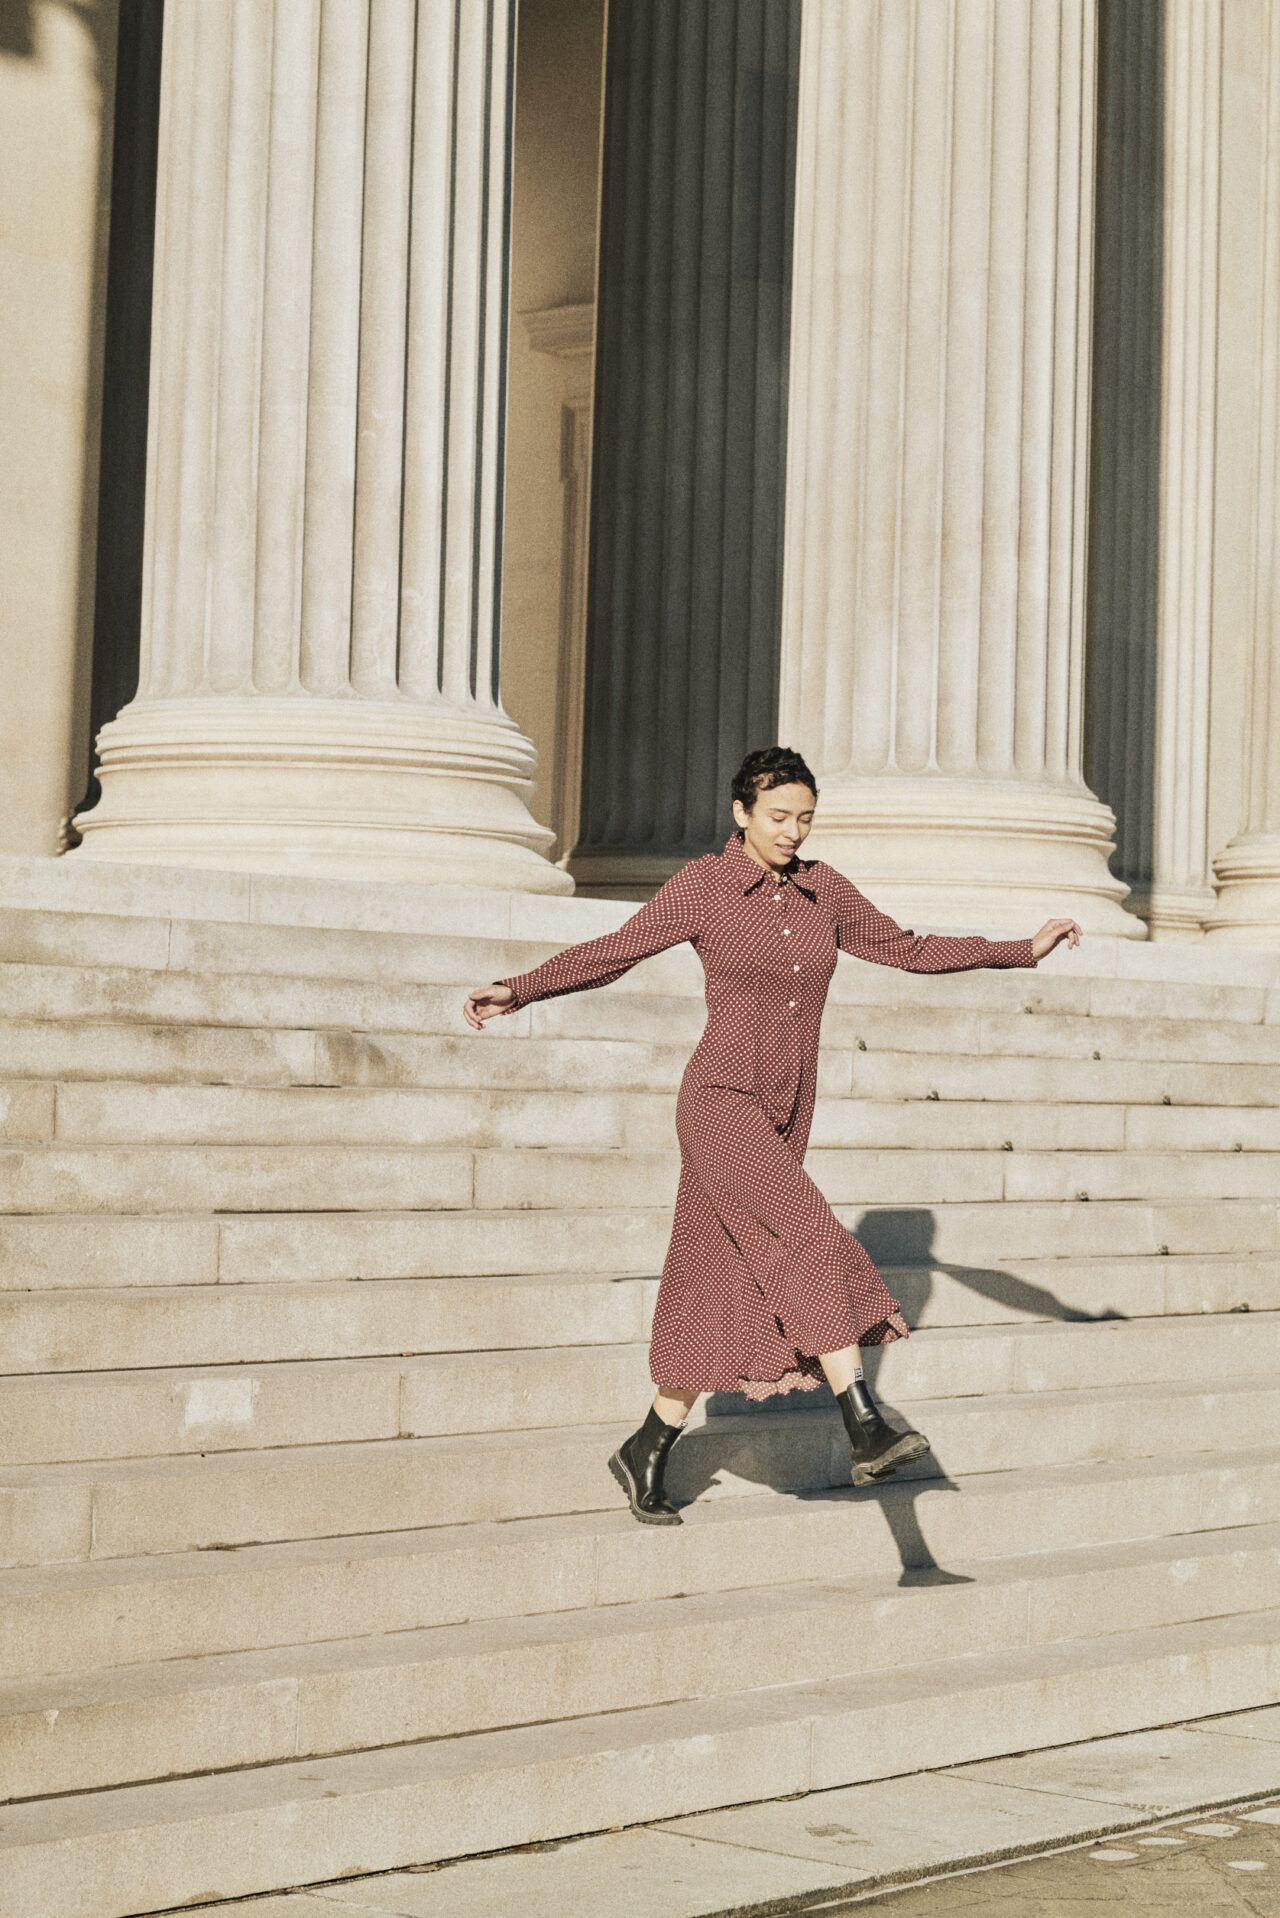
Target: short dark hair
column 772, row 766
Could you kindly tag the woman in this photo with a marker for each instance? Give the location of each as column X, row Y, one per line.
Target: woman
column 763, row 1290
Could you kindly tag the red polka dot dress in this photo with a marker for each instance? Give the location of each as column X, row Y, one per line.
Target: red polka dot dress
column 760, row 1276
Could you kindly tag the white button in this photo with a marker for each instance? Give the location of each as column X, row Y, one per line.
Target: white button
column 795, row 968
column 790, row 1002
column 786, row 932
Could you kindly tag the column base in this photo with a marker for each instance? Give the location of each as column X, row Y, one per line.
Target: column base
column 1247, row 909
column 1174, row 914
column 424, row 794
column 973, row 855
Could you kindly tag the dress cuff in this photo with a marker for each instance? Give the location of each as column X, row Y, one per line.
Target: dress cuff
column 1010, row 952
column 512, row 985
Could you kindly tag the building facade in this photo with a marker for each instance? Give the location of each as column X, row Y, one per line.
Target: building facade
column 444, row 435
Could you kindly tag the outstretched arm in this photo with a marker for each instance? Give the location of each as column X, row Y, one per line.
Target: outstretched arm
column 866, row 932
column 673, row 915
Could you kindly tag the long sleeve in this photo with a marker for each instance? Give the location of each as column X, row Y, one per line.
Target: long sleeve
column 674, row 914
column 867, row 933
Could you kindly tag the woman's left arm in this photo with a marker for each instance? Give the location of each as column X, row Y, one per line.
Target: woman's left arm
column 867, row 933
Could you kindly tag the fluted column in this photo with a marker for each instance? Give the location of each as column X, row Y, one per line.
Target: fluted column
column 319, row 677
column 1154, row 426
column 1247, row 912
column 933, row 601
column 1180, row 893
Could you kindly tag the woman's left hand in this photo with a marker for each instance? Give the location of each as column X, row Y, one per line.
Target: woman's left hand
column 1052, row 933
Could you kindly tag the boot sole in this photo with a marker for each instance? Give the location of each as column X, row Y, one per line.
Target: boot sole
column 631, row 1489
column 910, row 1447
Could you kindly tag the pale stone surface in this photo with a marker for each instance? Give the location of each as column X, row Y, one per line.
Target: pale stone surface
column 646, row 1874
column 1180, row 893
column 1248, row 868
column 900, row 1824
column 233, row 1496
column 1242, row 344
column 950, row 765
column 1264, row 1723
column 84, row 893
column 450, row 1681
column 318, row 685
column 910, row 1825
column 177, row 1608
column 1149, row 1771
column 212, row 1178
column 56, row 95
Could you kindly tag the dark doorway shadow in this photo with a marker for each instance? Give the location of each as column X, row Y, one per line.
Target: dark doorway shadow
column 794, row 1443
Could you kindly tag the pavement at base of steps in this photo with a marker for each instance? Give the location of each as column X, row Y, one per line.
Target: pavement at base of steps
column 1174, row 1823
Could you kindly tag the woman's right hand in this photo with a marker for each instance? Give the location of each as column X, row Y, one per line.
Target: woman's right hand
column 487, row 1002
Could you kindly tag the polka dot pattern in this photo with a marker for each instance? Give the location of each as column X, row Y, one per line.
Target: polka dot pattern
column 760, row 1275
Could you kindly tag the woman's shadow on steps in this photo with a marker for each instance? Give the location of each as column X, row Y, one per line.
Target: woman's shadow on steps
column 900, row 1240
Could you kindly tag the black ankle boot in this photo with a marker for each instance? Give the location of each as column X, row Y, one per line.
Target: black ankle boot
column 638, row 1465
column 878, row 1450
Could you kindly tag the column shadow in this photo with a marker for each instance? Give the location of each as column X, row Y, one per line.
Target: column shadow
column 804, row 1448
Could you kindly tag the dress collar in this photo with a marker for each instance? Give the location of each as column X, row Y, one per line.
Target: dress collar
column 745, row 870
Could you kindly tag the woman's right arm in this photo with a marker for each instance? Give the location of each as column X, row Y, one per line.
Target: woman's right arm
column 673, row 915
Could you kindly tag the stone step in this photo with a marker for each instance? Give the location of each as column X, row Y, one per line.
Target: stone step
column 994, row 1259
column 186, row 1054
column 904, row 1176
column 27, row 1110
column 133, row 1610
column 81, row 1731
column 942, row 1031
column 405, row 1017
column 122, row 1112
column 106, row 1854
column 265, row 898
column 130, row 1331
column 220, row 1178
column 443, row 958
column 263, row 1397
column 208, row 946
column 132, row 996
column 86, row 886
column 72, row 1049
column 1012, row 1077
column 1222, row 1174
column 110, row 1113
column 123, row 1507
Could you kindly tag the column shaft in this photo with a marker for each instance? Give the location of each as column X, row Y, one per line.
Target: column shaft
column 319, row 679
column 934, row 569
column 1151, row 554
column 324, row 640
column 1248, row 869
column 1180, row 892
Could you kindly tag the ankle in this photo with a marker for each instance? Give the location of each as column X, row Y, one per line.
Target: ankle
column 655, row 1433
column 856, row 1401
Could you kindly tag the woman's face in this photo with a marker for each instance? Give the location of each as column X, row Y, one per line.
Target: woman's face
column 777, row 825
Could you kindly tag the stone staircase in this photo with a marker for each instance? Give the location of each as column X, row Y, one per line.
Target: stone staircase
column 321, row 1315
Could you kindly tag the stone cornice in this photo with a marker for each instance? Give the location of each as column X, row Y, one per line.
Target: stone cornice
column 565, row 331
